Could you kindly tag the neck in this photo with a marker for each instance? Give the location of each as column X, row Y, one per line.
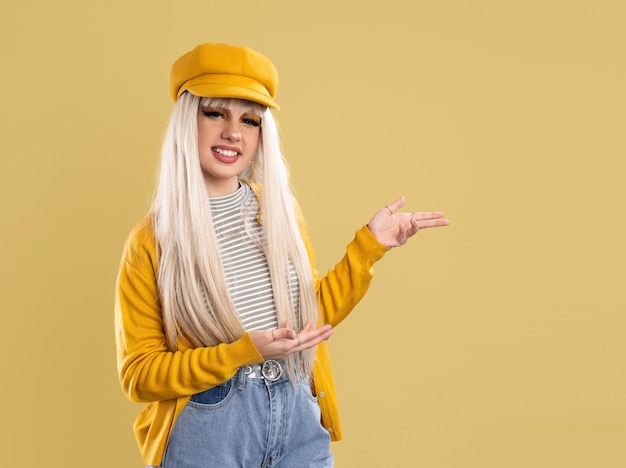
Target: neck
column 218, row 190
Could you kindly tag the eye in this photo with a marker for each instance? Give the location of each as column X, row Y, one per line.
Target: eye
column 213, row 113
column 252, row 121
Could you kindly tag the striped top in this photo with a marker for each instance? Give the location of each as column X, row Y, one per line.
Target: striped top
column 240, row 239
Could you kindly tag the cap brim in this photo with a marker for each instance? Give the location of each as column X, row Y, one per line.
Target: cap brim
column 233, row 92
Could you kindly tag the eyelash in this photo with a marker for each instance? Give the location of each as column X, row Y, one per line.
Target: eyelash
column 252, row 122
column 219, row 115
column 213, row 114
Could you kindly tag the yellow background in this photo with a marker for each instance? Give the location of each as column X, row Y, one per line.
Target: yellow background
column 496, row 342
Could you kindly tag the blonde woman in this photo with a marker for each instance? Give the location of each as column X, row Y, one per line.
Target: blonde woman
column 221, row 318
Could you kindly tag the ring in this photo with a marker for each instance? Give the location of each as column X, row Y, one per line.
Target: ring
column 299, row 340
column 273, row 336
column 389, row 209
column 414, row 216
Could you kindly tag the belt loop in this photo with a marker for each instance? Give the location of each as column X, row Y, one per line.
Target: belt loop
column 241, row 378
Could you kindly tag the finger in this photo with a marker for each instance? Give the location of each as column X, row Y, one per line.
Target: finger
column 299, row 336
column 395, row 206
column 428, row 215
column 306, row 334
column 283, row 334
column 402, row 234
column 415, row 226
column 434, row 223
column 306, row 341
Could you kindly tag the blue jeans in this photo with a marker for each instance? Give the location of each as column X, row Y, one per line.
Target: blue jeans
column 250, row 422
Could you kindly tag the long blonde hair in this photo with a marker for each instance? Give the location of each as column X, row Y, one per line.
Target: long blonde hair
column 197, row 308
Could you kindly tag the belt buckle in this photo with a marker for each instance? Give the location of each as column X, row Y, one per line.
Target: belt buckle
column 271, row 370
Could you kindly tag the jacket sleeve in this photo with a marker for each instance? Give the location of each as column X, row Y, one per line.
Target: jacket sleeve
column 346, row 284
column 148, row 370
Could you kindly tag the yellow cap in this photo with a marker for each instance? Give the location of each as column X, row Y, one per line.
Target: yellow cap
column 222, row 70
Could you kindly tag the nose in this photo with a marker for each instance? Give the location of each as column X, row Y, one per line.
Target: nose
column 231, row 131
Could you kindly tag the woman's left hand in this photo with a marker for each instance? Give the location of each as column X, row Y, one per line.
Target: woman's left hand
column 281, row 342
column 393, row 229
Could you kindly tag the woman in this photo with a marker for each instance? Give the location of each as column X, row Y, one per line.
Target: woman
column 221, row 319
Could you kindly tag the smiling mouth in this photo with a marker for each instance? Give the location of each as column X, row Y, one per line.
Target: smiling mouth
column 225, row 152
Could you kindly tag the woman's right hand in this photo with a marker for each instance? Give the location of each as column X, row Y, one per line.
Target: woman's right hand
column 281, row 342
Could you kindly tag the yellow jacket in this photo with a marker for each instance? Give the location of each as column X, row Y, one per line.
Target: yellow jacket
column 150, row 373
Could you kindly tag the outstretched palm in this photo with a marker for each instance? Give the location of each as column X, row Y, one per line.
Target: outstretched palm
column 393, row 229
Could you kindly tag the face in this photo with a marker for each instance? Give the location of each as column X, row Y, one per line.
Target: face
column 228, row 138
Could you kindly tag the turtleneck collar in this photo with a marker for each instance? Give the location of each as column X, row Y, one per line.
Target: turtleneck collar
column 231, row 201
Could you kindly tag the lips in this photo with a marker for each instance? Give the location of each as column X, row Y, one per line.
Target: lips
column 226, row 155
